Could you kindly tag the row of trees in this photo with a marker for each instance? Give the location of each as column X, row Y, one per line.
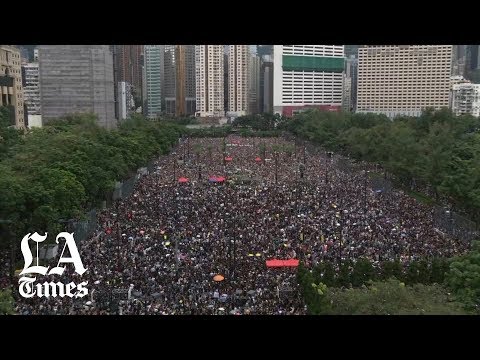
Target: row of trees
column 437, row 286
column 67, row 167
column 437, row 149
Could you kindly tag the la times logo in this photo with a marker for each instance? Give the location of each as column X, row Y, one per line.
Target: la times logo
column 28, row 289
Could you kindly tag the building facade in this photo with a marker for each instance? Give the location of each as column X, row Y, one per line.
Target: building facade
column 403, row 79
column 238, row 79
column 154, row 80
column 209, row 71
column 31, row 88
column 307, row 76
column 266, row 84
column 179, row 68
column 350, row 84
column 77, row 79
column 466, row 99
column 126, row 105
column 254, row 84
column 11, row 89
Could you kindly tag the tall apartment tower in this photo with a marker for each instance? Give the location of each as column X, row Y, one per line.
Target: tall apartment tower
column 350, row 84
column 466, row 99
column 31, row 89
column 209, row 63
column 11, row 90
column 128, row 65
column 238, row 79
column 254, row 84
column 77, row 79
column 179, row 69
column 307, row 76
column 153, row 80
column 403, row 79
column 266, row 85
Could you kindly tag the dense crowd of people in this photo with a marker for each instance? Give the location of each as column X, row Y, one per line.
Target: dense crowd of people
column 240, row 202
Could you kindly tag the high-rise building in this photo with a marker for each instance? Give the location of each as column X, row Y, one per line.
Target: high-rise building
column 238, row 76
column 154, row 79
column 125, row 102
column 209, row 63
column 128, row 66
column 472, row 63
column 225, row 79
column 179, row 67
column 458, row 60
column 11, row 90
column 307, row 76
column 31, row 88
column 263, row 50
column 466, row 99
column 403, row 79
column 77, row 79
column 350, row 84
column 266, row 85
column 254, row 85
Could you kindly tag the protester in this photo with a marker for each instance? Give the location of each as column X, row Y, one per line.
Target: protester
column 169, row 239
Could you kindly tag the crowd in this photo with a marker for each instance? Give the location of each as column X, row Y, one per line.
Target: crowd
column 164, row 244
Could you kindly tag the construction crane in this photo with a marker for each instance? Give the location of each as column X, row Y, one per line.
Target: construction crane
column 180, row 109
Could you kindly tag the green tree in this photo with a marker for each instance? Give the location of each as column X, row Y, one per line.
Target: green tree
column 6, row 302
column 391, row 297
column 463, row 277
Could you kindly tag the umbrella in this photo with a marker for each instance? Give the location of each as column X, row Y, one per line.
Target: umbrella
column 221, row 309
column 218, row 278
column 238, row 292
column 250, row 254
column 167, row 243
column 228, row 158
column 258, row 254
column 257, row 159
column 183, row 180
column 156, row 295
column 251, row 292
column 213, row 179
column 220, row 179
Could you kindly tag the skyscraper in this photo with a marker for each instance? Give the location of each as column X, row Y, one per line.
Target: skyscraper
column 179, row 71
column 31, row 88
column 128, row 65
column 403, row 79
column 209, row 63
column 307, row 76
column 238, row 79
column 266, row 85
column 254, row 84
column 153, row 78
column 77, row 79
column 11, row 90
column 350, row 84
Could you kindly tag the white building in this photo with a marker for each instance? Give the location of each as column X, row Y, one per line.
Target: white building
column 209, row 76
column 307, row 76
column 125, row 100
column 31, row 90
column 466, row 99
column 403, row 79
column 238, row 79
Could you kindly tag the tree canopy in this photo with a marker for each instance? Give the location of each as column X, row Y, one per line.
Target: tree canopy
column 67, row 167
